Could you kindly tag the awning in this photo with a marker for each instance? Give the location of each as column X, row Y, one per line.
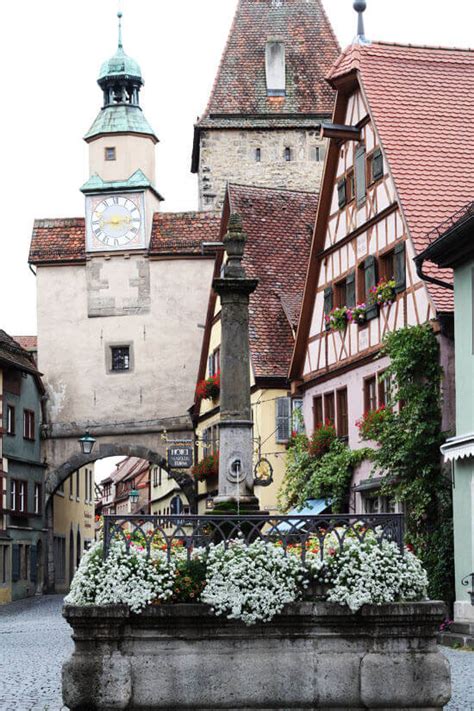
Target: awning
column 312, row 507
column 458, row 448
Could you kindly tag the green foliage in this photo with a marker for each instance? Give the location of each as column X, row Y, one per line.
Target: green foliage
column 408, row 455
column 327, row 476
column 322, row 439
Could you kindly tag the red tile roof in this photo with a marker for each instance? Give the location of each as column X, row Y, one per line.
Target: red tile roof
column 181, row 234
column 422, row 102
column 310, row 47
column 279, row 226
column 59, row 240
column 29, row 343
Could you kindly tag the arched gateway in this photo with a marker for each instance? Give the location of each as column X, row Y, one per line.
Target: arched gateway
column 64, row 456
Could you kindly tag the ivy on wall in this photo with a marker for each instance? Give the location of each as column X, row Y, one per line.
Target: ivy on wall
column 408, row 453
column 319, row 468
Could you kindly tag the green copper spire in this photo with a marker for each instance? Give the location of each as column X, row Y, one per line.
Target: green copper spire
column 120, row 79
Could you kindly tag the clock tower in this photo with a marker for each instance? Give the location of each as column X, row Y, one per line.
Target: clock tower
column 120, row 193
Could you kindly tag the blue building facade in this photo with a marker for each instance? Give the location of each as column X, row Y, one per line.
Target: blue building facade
column 22, row 524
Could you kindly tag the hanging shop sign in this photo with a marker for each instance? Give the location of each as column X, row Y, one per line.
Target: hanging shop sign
column 180, row 456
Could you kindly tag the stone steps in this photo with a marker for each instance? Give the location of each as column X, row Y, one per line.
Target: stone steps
column 459, row 635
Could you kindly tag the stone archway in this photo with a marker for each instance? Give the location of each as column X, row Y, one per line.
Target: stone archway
column 104, row 448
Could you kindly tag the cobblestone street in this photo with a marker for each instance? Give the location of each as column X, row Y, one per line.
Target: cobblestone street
column 35, row 640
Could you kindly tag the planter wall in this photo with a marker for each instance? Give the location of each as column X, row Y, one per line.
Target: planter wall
column 314, row 656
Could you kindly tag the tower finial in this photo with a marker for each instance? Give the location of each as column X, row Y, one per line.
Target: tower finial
column 360, row 7
column 120, row 15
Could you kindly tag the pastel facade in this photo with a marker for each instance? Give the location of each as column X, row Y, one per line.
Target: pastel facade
column 22, row 525
column 74, row 524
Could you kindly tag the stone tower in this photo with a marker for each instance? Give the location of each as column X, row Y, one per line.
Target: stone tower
column 262, row 123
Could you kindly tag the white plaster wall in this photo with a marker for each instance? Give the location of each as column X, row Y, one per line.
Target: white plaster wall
column 166, row 344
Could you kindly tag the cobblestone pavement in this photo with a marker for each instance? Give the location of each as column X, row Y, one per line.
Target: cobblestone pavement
column 35, row 640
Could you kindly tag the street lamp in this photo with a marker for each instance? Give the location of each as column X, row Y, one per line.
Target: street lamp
column 134, row 496
column 87, row 443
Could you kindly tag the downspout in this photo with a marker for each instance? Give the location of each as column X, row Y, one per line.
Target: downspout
column 431, row 280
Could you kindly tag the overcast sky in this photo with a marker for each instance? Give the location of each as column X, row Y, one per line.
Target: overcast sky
column 50, row 54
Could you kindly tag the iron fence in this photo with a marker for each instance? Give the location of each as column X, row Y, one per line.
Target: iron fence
column 311, row 533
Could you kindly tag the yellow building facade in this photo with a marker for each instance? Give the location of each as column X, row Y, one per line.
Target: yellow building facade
column 74, row 524
column 166, row 497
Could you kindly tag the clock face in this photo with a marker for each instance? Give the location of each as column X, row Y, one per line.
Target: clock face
column 116, row 221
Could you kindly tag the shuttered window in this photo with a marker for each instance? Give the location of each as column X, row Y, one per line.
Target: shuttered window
column 342, row 413
column 341, row 193
column 360, row 176
column 351, row 290
column 400, row 267
column 283, row 419
column 370, row 277
column 377, row 165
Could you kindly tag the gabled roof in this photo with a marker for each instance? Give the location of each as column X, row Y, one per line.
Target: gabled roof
column 421, row 100
column 239, row 94
column 12, row 355
column 310, row 48
column 173, row 234
column 279, row 225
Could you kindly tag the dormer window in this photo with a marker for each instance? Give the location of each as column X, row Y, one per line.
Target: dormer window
column 110, row 153
column 275, row 68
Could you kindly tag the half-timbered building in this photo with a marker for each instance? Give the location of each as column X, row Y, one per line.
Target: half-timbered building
column 396, row 167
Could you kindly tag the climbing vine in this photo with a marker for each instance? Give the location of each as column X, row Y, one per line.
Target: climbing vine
column 409, row 437
column 319, row 468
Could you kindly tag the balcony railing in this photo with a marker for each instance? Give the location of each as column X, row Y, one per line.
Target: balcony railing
column 308, row 532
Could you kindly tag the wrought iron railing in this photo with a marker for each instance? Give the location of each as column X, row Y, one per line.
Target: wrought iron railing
column 311, row 533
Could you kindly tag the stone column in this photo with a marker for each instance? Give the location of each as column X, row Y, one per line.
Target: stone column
column 235, row 426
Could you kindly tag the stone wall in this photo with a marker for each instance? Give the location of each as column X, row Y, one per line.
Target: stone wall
column 230, row 156
column 314, row 656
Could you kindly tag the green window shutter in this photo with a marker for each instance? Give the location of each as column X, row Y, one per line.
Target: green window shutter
column 360, row 175
column 377, row 165
column 283, row 419
column 370, row 274
column 33, row 564
column 341, row 193
column 351, row 290
column 400, row 267
column 15, row 563
column 328, row 302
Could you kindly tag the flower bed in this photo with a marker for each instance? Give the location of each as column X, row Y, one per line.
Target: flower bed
column 250, row 582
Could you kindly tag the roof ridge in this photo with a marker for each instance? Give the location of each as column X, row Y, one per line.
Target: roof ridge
column 420, row 46
column 194, row 213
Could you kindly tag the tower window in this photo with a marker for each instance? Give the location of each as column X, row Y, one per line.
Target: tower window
column 110, row 153
column 258, row 155
column 287, row 154
column 275, row 68
column 120, row 357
